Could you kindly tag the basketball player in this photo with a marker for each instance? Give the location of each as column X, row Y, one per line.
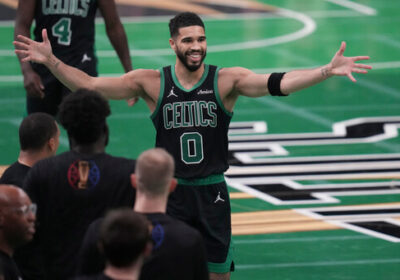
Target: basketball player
column 192, row 104
column 71, row 27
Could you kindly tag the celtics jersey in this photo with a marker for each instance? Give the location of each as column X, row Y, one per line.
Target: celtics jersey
column 192, row 125
column 69, row 23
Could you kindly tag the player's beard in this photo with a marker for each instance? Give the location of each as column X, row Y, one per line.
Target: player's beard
column 183, row 58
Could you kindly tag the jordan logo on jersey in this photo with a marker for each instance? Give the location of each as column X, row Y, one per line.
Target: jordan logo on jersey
column 86, row 58
column 172, row 93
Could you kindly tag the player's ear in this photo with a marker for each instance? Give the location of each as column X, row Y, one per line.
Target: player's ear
column 148, row 249
column 133, row 180
column 172, row 44
column 172, row 185
column 52, row 144
column 1, row 218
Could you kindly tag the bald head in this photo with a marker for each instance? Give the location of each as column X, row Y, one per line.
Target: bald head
column 11, row 196
column 154, row 171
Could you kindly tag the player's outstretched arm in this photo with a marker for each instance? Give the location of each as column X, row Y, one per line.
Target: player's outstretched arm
column 73, row 78
column 340, row 65
column 241, row 81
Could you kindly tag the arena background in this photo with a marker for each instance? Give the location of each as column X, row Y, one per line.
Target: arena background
column 315, row 176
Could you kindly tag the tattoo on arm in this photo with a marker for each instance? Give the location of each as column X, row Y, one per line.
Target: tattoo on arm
column 325, row 72
column 54, row 62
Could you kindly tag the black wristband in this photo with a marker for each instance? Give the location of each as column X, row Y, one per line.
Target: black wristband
column 274, row 84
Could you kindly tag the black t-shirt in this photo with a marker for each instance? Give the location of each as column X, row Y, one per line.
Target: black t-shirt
column 71, row 190
column 178, row 251
column 100, row 276
column 15, row 174
column 8, row 268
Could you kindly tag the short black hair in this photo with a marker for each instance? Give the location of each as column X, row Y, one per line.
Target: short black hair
column 183, row 20
column 83, row 114
column 35, row 130
column 123, row 236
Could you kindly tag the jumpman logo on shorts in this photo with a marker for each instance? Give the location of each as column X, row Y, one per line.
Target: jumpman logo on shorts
column 219, row 198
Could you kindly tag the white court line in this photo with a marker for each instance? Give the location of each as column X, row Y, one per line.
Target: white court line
column 316, row 264
column 387, row 40
column 363, row 9
column 308, row 28
column 378, row 87
column 375, row 66
column 300, row 239
column 303, row 113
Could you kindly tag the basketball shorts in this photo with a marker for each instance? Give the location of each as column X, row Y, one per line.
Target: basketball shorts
column 204, row 204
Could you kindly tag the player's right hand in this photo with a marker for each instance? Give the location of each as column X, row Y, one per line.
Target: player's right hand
column 33, row 85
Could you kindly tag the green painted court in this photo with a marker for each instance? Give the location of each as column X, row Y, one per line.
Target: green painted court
column 315, row 176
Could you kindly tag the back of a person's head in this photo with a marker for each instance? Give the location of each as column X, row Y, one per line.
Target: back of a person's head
column 124, row 235
column 184, row 20
column 36, row 130
column 154, row 170
column 83, row 114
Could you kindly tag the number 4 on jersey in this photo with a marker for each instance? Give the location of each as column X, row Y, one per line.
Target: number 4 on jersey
column 62, row 30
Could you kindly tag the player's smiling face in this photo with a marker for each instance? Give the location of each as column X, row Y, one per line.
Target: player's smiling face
column 190, row 46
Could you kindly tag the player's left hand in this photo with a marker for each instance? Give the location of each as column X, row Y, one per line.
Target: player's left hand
column 345, row 66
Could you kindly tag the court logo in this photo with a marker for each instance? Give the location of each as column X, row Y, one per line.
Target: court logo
column 380, row 221
column 260, row 165
column 83, row 174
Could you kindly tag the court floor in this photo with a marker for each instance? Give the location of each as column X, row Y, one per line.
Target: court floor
column 315, row 176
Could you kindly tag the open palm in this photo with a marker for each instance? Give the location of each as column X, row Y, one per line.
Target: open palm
column 345, row 66
column 30, row 50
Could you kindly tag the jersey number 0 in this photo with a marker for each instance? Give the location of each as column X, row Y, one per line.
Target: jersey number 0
column 191, row 147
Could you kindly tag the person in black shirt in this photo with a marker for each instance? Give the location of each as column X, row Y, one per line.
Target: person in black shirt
column 71, row 26
column 76, row 187
column 38, row 139
column 17, row 226
column 192, row 104
column 125, row 241
column 178, row 250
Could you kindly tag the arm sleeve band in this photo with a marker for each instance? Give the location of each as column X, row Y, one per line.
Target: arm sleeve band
column 274, row 84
